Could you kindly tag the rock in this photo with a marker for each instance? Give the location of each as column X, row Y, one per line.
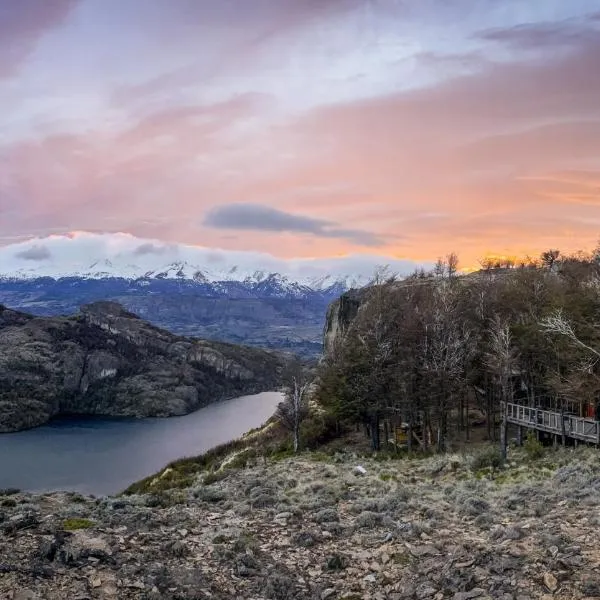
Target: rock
column 328, row 593
column 25, row 595
column 359, row 470
column 550, row 582
column 474, row 593
column 96, row 582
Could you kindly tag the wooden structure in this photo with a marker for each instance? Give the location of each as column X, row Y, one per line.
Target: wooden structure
column 566, row 425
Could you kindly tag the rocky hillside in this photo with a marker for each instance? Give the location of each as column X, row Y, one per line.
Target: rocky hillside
column 106, row 361
column 316, row 527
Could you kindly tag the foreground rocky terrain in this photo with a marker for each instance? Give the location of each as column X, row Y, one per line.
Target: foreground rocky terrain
column 107, row 361
column 318, row 527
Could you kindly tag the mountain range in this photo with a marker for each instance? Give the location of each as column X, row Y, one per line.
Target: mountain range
column 239, row 297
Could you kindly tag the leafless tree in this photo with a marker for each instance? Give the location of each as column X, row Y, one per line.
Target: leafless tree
column 502, row 361
column 549, row 258
column 295, row 407
column 558, row 324
column 452, row 264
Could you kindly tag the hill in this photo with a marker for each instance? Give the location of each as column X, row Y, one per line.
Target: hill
column 107, row 361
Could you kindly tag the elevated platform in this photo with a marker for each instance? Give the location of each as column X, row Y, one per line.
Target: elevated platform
column 586, row 430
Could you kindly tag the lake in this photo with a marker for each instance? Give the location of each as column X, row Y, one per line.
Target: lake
column 103, row 456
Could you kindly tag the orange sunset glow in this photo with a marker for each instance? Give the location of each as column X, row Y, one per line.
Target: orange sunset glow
column 304, row 129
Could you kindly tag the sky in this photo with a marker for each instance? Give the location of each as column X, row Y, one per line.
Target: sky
column 402, row 129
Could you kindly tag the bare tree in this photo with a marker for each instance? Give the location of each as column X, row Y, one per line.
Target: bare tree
column 452, row 264
column 295, row 408
column 558, row 324
column 502, row 360
column 549, row 258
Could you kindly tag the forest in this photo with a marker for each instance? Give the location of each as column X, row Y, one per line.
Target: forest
column 436, row 351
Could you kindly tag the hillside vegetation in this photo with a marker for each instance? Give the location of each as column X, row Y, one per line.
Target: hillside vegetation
column 438, row 350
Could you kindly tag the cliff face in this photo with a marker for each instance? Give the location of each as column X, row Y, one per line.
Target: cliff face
column 107, row 361
column 340, row 314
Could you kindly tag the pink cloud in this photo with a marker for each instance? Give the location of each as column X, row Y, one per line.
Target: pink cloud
column 22, row 23
column 502, row 159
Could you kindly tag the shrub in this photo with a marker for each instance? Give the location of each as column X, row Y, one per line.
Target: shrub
column 336, row 562
column 368, row 519
column 279, row 587
column 490, row 458
column 305, row 539
column 474, row 506
column 215, row 476
column 327, row 515
column 263, row 501
column 533, row 447
column 208, row 494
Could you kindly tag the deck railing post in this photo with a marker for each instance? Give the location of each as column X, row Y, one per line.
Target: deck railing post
column 503, row 431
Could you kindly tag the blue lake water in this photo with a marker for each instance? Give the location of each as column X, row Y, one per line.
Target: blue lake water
column 103, row 456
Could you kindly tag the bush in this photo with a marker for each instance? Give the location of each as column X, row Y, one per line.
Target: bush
column 473, row 506
column 368, row 519
column 490, row 458
column 215, row 476
column 533, row 448
column 327, row 515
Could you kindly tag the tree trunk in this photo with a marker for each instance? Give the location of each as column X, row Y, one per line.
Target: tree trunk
column 296, row 439
column 468, row 425
column 503, row 433
column 375, row 442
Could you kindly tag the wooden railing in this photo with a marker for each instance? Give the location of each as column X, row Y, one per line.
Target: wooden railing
column 579, row 428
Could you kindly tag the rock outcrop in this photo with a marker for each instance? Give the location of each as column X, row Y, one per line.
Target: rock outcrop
column 340, row 314
column 107, row 361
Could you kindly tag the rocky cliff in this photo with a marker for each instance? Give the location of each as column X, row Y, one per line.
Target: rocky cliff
column 107, row 361
column 340, row 314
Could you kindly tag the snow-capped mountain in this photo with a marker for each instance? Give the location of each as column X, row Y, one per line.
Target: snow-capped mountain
column 101, row 256
column 241, row 297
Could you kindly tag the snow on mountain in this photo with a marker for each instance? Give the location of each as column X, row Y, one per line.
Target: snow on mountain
column 99, row 256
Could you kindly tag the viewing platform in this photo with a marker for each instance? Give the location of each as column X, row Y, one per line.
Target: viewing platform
column 569, row 425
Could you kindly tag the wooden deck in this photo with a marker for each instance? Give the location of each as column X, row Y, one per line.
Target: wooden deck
column 587, row 430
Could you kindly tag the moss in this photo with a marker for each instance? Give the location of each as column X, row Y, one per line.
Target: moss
column 402, row 558
column 76, row 523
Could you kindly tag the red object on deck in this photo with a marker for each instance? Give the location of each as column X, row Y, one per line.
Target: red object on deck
column 590, row 411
